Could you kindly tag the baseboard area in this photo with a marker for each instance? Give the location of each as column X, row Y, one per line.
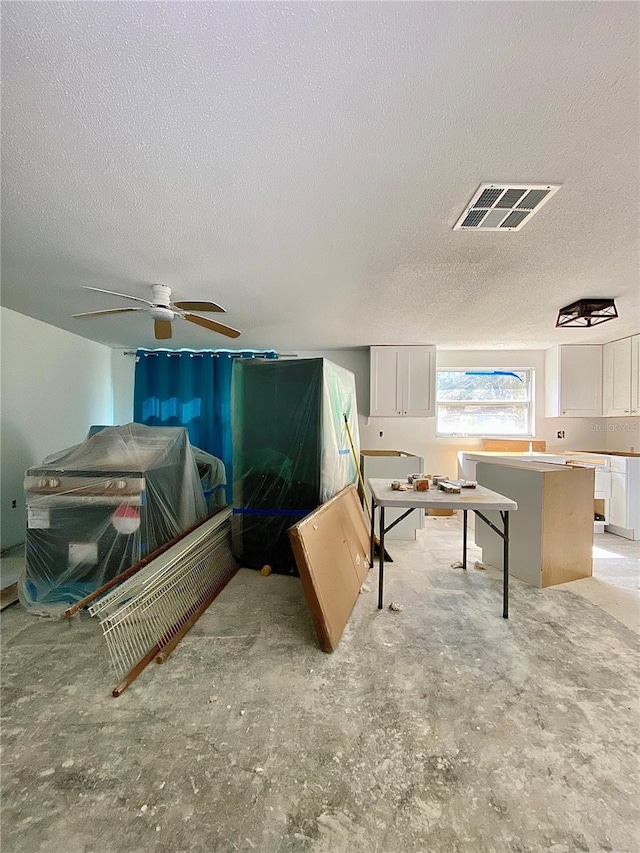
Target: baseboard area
column 11, row 565
column 628, row 533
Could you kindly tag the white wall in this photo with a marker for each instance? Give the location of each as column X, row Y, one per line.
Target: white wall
column 618, row 434
column 122, row 371
column 54, row 386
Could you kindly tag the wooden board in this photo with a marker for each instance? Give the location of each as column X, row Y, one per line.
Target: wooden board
column 513, row 445
column 9, row 595
column 331, row 547
column 385, row 453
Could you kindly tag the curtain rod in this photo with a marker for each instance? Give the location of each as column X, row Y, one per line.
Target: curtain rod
column 155, row 352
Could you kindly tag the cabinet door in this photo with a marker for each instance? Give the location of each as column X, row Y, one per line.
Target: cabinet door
column 618, row 502
column 385, row 382
column 581, row 381
column 635, row 375
column 418, row 370
column 616, row 378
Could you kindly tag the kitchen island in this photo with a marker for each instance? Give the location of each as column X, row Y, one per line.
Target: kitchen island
column 616, row 486
column 552, row 532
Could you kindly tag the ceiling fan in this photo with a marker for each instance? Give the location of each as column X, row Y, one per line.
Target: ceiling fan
column 163, row 311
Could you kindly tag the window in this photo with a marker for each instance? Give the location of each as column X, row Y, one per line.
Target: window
column 485, row 402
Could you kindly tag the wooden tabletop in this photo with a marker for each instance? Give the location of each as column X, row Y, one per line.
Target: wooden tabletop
column 478, row 498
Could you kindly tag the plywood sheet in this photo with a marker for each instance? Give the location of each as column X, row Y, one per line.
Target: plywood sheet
column 331, row 547
column 385, row 453
column 513, row 445
column 567, row 526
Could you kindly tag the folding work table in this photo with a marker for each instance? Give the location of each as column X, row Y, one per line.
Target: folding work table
column 476, row 500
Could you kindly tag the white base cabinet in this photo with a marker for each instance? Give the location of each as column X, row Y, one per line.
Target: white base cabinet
column 402, row 381
column 393, row 465
column 623, row 511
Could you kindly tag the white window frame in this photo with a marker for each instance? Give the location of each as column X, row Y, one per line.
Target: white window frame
column 528, row 404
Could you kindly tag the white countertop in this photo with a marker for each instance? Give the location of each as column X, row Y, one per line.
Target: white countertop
column 478, row 498
column 533, row 465
column 545, row 460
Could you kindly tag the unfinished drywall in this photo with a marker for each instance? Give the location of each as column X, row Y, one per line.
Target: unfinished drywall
column 54, row 386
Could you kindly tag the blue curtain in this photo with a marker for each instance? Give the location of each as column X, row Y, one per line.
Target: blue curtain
column 190, row 389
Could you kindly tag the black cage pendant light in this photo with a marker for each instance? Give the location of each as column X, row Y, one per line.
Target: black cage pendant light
column 587, row 312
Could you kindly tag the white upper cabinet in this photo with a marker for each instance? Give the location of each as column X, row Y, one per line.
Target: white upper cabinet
column 635, row 375
column 420, row 381
column 403, row 381
column 616, row 378
column 573, row 381
column 385, row 394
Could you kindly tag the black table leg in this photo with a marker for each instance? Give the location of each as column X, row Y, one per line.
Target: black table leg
column 464, row 539
column 504, row 535
column 505, row 566
column 373, row 530
column 381, row 561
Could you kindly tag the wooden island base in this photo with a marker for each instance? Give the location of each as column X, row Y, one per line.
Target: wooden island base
column 552, row 532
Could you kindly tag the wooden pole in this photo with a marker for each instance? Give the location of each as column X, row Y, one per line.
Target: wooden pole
column 387, row 556
column 166, row 649
column 355, row 462
column 135, row 672
column 170, row 640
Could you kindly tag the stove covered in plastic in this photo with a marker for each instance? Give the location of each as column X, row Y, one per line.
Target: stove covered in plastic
column 101, row 506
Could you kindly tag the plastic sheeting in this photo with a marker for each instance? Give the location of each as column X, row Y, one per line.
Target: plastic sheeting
column 213, row 478
column 291, row 451
column 97, row 508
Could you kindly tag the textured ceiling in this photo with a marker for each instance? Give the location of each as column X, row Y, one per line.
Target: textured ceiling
column 303, row 165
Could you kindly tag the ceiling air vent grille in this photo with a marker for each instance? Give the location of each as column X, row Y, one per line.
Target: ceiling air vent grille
column 504, row 207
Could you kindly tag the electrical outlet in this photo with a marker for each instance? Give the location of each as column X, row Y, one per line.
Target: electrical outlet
column 14, row 504
column 560, row 433
column 381, row 434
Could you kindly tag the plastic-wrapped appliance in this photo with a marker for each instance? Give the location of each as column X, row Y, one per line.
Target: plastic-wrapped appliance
column 291, row 451
column 95, row 509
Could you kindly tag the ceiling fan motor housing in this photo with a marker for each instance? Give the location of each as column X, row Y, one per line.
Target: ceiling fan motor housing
column 161, row 296
column 161, row 308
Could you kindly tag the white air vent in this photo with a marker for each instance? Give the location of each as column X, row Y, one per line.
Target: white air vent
column 504, row 207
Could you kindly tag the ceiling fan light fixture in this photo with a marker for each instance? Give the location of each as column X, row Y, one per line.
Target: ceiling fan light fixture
column 584, row 313
column 159, row 312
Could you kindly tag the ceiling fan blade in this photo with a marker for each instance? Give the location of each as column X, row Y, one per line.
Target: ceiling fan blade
column 162, row 329
column 210, row 324
column 107, row 311
column 199, row 306
column 114, row 293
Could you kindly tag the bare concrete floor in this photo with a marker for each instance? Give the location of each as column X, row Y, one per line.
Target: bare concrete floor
column 441, row 728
